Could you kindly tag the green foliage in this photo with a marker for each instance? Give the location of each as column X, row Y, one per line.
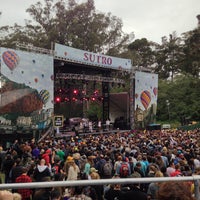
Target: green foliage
column 183, row 95
column 169, row 57
column 142, row 52
column 94, row 111
column 191, row 50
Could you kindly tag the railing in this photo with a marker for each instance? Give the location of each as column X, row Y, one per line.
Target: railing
column 194, row 178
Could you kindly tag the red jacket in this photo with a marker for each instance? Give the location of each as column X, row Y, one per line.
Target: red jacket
column 46, row 157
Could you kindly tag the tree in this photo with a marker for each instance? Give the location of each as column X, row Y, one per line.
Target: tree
column 182, row 94
column 169, row 57
column 191, row 51
column 72, row 24
column 143, row 54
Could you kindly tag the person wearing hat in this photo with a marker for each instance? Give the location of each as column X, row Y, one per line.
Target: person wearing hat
column 98, row 188
column 94, row 173
column 66, row 165
column 73, row 170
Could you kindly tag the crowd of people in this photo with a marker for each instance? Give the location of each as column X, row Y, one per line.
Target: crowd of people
column 129, row 154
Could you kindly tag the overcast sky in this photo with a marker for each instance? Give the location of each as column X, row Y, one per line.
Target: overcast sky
column 151, row 19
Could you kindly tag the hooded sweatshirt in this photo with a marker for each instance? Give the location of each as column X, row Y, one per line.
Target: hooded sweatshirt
column 41, row 172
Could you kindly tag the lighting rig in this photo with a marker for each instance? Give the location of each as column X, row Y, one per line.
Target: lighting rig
column 76, row 91
column 77, row 87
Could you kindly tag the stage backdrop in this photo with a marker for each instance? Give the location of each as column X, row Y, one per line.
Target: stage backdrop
column 146, row 91
column 26, row 88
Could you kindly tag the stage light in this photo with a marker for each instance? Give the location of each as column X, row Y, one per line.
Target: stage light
column 57, row 99
column 93, row 98
column 74, row 99
column 75, row 91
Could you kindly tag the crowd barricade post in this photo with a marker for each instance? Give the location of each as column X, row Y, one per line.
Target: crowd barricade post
column 196, row 189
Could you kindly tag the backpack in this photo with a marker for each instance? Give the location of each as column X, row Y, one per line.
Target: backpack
column 107, row 169
column 124, row 170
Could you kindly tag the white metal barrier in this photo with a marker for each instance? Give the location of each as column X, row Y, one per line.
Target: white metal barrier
column 194, row 178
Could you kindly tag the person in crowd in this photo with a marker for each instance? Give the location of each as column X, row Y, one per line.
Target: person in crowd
column 6, row 195
column 78, row 194
column 90, row 126
column 88, row 165
column 134, row 192
column 170, row 168
column 66, row 166
column 73, row 170
column 46, row 155
column 26, row 193
column 177, row 171
column 174, row 191
column 7, row 166
column 143, row 164
column 152, row 169
column 41, row 171
column 17, row 196
column 113, row 191
column 108, row 124
column 16, row 170
column 99, row 164
column 117, row 164
column 99, row 125
column 196, row 162
column 153, row 187
column 159, row 161
column 43, row 193
column 107, row 168
column 35, row 152
column 59, row 152
column 135, row 144
column 55, row 194
column 98, row 188
column 124, row 169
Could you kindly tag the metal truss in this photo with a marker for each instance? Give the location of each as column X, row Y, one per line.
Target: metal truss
column 88, row 78
column 31, row 48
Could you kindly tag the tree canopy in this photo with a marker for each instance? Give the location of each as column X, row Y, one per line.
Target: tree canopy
column 69, row 23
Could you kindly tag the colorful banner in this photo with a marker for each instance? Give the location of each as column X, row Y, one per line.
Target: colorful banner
column 146, row 92
column 89, row 58
column 26, row 87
